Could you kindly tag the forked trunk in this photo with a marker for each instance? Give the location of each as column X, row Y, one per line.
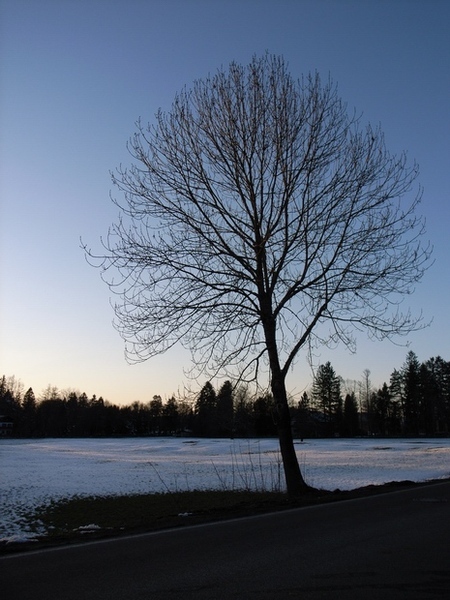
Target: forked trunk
column 295, row 483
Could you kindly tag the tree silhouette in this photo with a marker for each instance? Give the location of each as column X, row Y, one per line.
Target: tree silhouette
column 326, row 392
column 225, row 409
column 206, row 411
column 258, row 211
column 350, row 415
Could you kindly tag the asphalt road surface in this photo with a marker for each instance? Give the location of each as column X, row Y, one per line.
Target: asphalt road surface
column 394, row 545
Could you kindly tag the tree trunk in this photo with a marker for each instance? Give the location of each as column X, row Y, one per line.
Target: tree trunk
column 295, row 482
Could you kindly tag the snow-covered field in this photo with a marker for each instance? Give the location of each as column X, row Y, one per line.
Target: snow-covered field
column 34, row 472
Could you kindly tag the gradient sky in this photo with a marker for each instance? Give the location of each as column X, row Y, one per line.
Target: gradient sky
column 76, row 75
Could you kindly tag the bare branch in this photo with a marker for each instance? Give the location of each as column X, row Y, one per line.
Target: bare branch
column 256, row 210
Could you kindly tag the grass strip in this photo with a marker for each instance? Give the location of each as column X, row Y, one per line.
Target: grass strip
column 84, row 518
column 112, row 515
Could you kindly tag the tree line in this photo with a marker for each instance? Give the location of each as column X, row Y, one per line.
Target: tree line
column 415, row 402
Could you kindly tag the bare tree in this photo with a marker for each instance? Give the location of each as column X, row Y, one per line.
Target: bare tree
column 256, row 211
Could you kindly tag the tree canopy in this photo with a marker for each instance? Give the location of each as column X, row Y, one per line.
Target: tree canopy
column 260, row 216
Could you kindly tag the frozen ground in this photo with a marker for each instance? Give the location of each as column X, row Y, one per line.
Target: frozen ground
column 34, row 472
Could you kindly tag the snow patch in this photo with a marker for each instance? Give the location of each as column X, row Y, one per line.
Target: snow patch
column 37, row 472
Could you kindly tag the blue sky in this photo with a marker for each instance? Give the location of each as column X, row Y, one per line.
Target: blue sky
column 75, row 75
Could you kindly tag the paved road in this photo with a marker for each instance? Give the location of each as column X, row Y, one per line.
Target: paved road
column 395, row 545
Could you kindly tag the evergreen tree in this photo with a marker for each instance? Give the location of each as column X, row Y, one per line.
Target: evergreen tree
column 76, row 416
column 155, row 414
column 51, row 416
column 396, row 389
column 381, row 411
column 10, row 394
column 28, row 424
column 170, row 416
column 326, row 392
column 225, row 409
column 435, row 383
column 351, row 415
column 302, row 421
column 97, row 417
column 411, row 383
column 263, row 416
column 206, row 411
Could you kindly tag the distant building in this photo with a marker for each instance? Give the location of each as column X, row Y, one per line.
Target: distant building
column 6, row 427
